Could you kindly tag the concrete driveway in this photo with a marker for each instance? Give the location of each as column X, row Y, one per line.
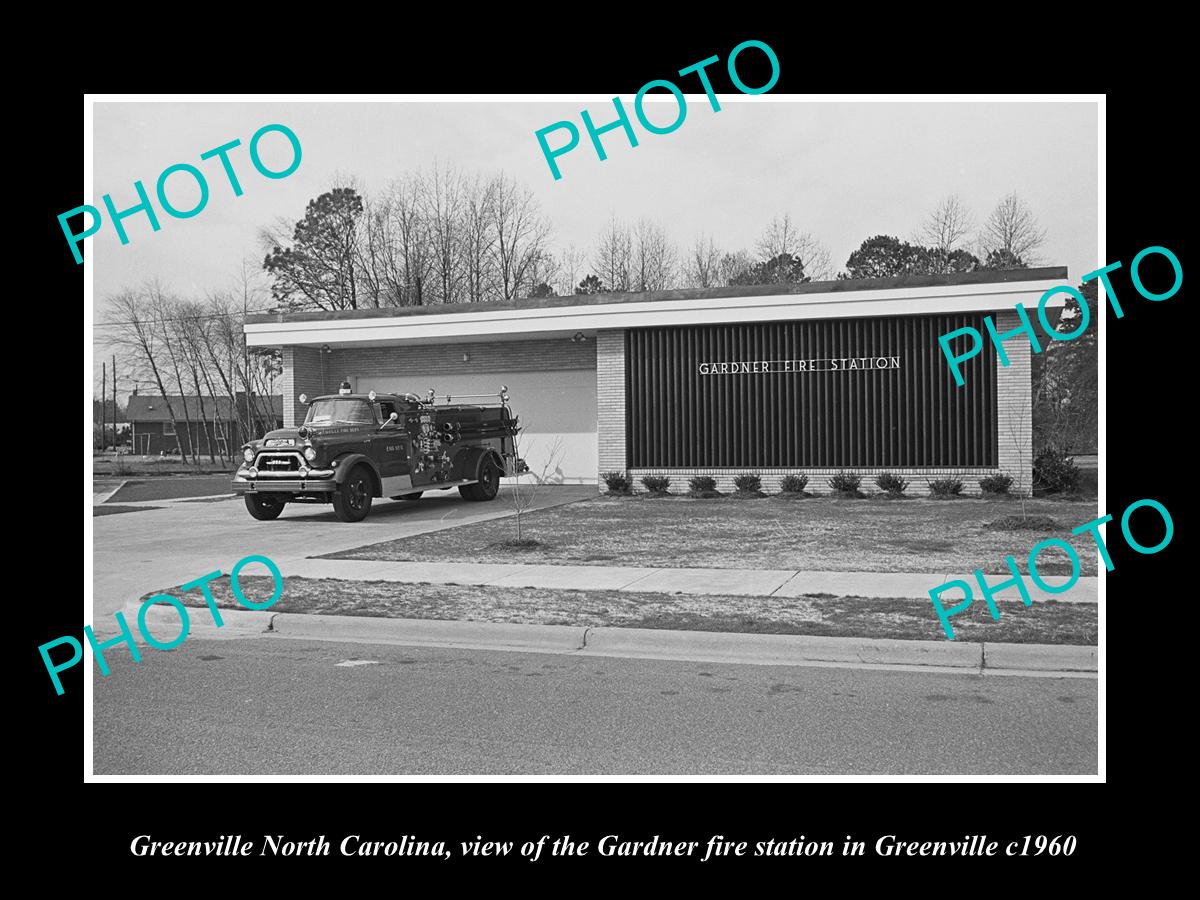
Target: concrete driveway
column 179, row 541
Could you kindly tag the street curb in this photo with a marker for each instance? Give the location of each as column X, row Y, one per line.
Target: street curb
column 432, row 632
column 104, row 498
column 163, row 621
column 1029, row 657
column 778, row 649
column 641, row 643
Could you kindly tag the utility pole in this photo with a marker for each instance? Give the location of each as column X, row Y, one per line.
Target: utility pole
column 103, row 394
column 114, row 371
column 246, row 359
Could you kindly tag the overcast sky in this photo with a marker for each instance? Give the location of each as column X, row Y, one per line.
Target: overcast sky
column 844, row 171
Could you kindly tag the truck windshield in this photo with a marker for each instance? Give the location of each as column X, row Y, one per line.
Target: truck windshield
column 340, row 411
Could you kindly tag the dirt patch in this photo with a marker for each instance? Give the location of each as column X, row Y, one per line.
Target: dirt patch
column 922, row 546
column 1043, row 623
column 522, row 544
column 1025, row 523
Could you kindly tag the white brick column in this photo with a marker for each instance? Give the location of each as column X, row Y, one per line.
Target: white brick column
column 303, row 373
column 1014, row 405
column 610, row 400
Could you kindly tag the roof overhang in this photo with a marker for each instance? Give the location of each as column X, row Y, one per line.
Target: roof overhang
column 491, row 324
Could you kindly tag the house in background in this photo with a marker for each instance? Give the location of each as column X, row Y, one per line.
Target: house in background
column 116, row 425
column 206, row 426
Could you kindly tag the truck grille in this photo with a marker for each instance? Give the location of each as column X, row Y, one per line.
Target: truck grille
column 269, row 463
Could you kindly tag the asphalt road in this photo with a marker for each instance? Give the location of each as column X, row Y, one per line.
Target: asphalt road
column 276, row 706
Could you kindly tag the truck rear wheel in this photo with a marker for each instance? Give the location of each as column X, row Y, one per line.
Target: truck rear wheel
column 264, row 507
column 488, row 485
column 352, row 499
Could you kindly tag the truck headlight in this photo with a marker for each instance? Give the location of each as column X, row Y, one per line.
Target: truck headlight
column 248, row 454
column 310, row 453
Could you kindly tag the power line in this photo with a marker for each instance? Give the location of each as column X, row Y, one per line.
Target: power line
column 155, row 320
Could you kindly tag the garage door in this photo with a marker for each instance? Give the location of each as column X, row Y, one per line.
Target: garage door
column 556, row 408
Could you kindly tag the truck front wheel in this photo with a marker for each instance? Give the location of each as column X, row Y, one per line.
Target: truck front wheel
column 488, row 485
column 264, row 507
column 352, row 499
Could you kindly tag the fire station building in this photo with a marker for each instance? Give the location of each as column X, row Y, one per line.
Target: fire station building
column 772, row 379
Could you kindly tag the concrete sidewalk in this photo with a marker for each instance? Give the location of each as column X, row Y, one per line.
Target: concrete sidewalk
column 734, row 582
column 978, row 658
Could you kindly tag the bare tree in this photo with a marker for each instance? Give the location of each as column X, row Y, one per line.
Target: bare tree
column 732, row 266
column 411, row 249
column 541, row 275
column 703, row 266
column 522, row 234
column 523, row 493
column 132, row 312
column 946, row 227
column 376, row 256
column 1012, row 230
column 184, row 323
column 441, row 209
column 570, row 271
column 783, row 237
column 654, row 257
column 612, row 261
column 478, row 239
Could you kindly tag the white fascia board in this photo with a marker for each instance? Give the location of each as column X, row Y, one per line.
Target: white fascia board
column 658, row 313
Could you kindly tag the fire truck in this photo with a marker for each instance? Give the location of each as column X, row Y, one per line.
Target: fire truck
column 353, row 448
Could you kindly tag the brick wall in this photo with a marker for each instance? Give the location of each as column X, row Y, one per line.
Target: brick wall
column 493, row 356
column 303, row 373
column 1014, row 404
column 610, row 399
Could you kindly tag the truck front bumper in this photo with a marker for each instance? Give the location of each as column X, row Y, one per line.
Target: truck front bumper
column 317, row 482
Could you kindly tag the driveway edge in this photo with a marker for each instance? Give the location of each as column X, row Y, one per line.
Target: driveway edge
column 643, row 643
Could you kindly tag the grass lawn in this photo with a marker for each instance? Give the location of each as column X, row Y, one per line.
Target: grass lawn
column 116, row 510
column 126, row 465
column 170, row 488
column 817, row 533
column 1043, row 623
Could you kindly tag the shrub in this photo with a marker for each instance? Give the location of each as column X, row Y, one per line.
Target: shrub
column 996, row 484
column 845, row 483
column 748, row 483
column 616, row 482
column 793, row 484
column 891, row 484
column 656, row 484
column 945, row 487
column 1054, row 472
column 702, row 484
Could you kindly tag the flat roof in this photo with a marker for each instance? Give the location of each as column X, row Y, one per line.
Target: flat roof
column 844, row 285
column 588, row 314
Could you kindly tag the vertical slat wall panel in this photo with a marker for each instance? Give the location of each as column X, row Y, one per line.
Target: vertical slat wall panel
column 914, row 416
